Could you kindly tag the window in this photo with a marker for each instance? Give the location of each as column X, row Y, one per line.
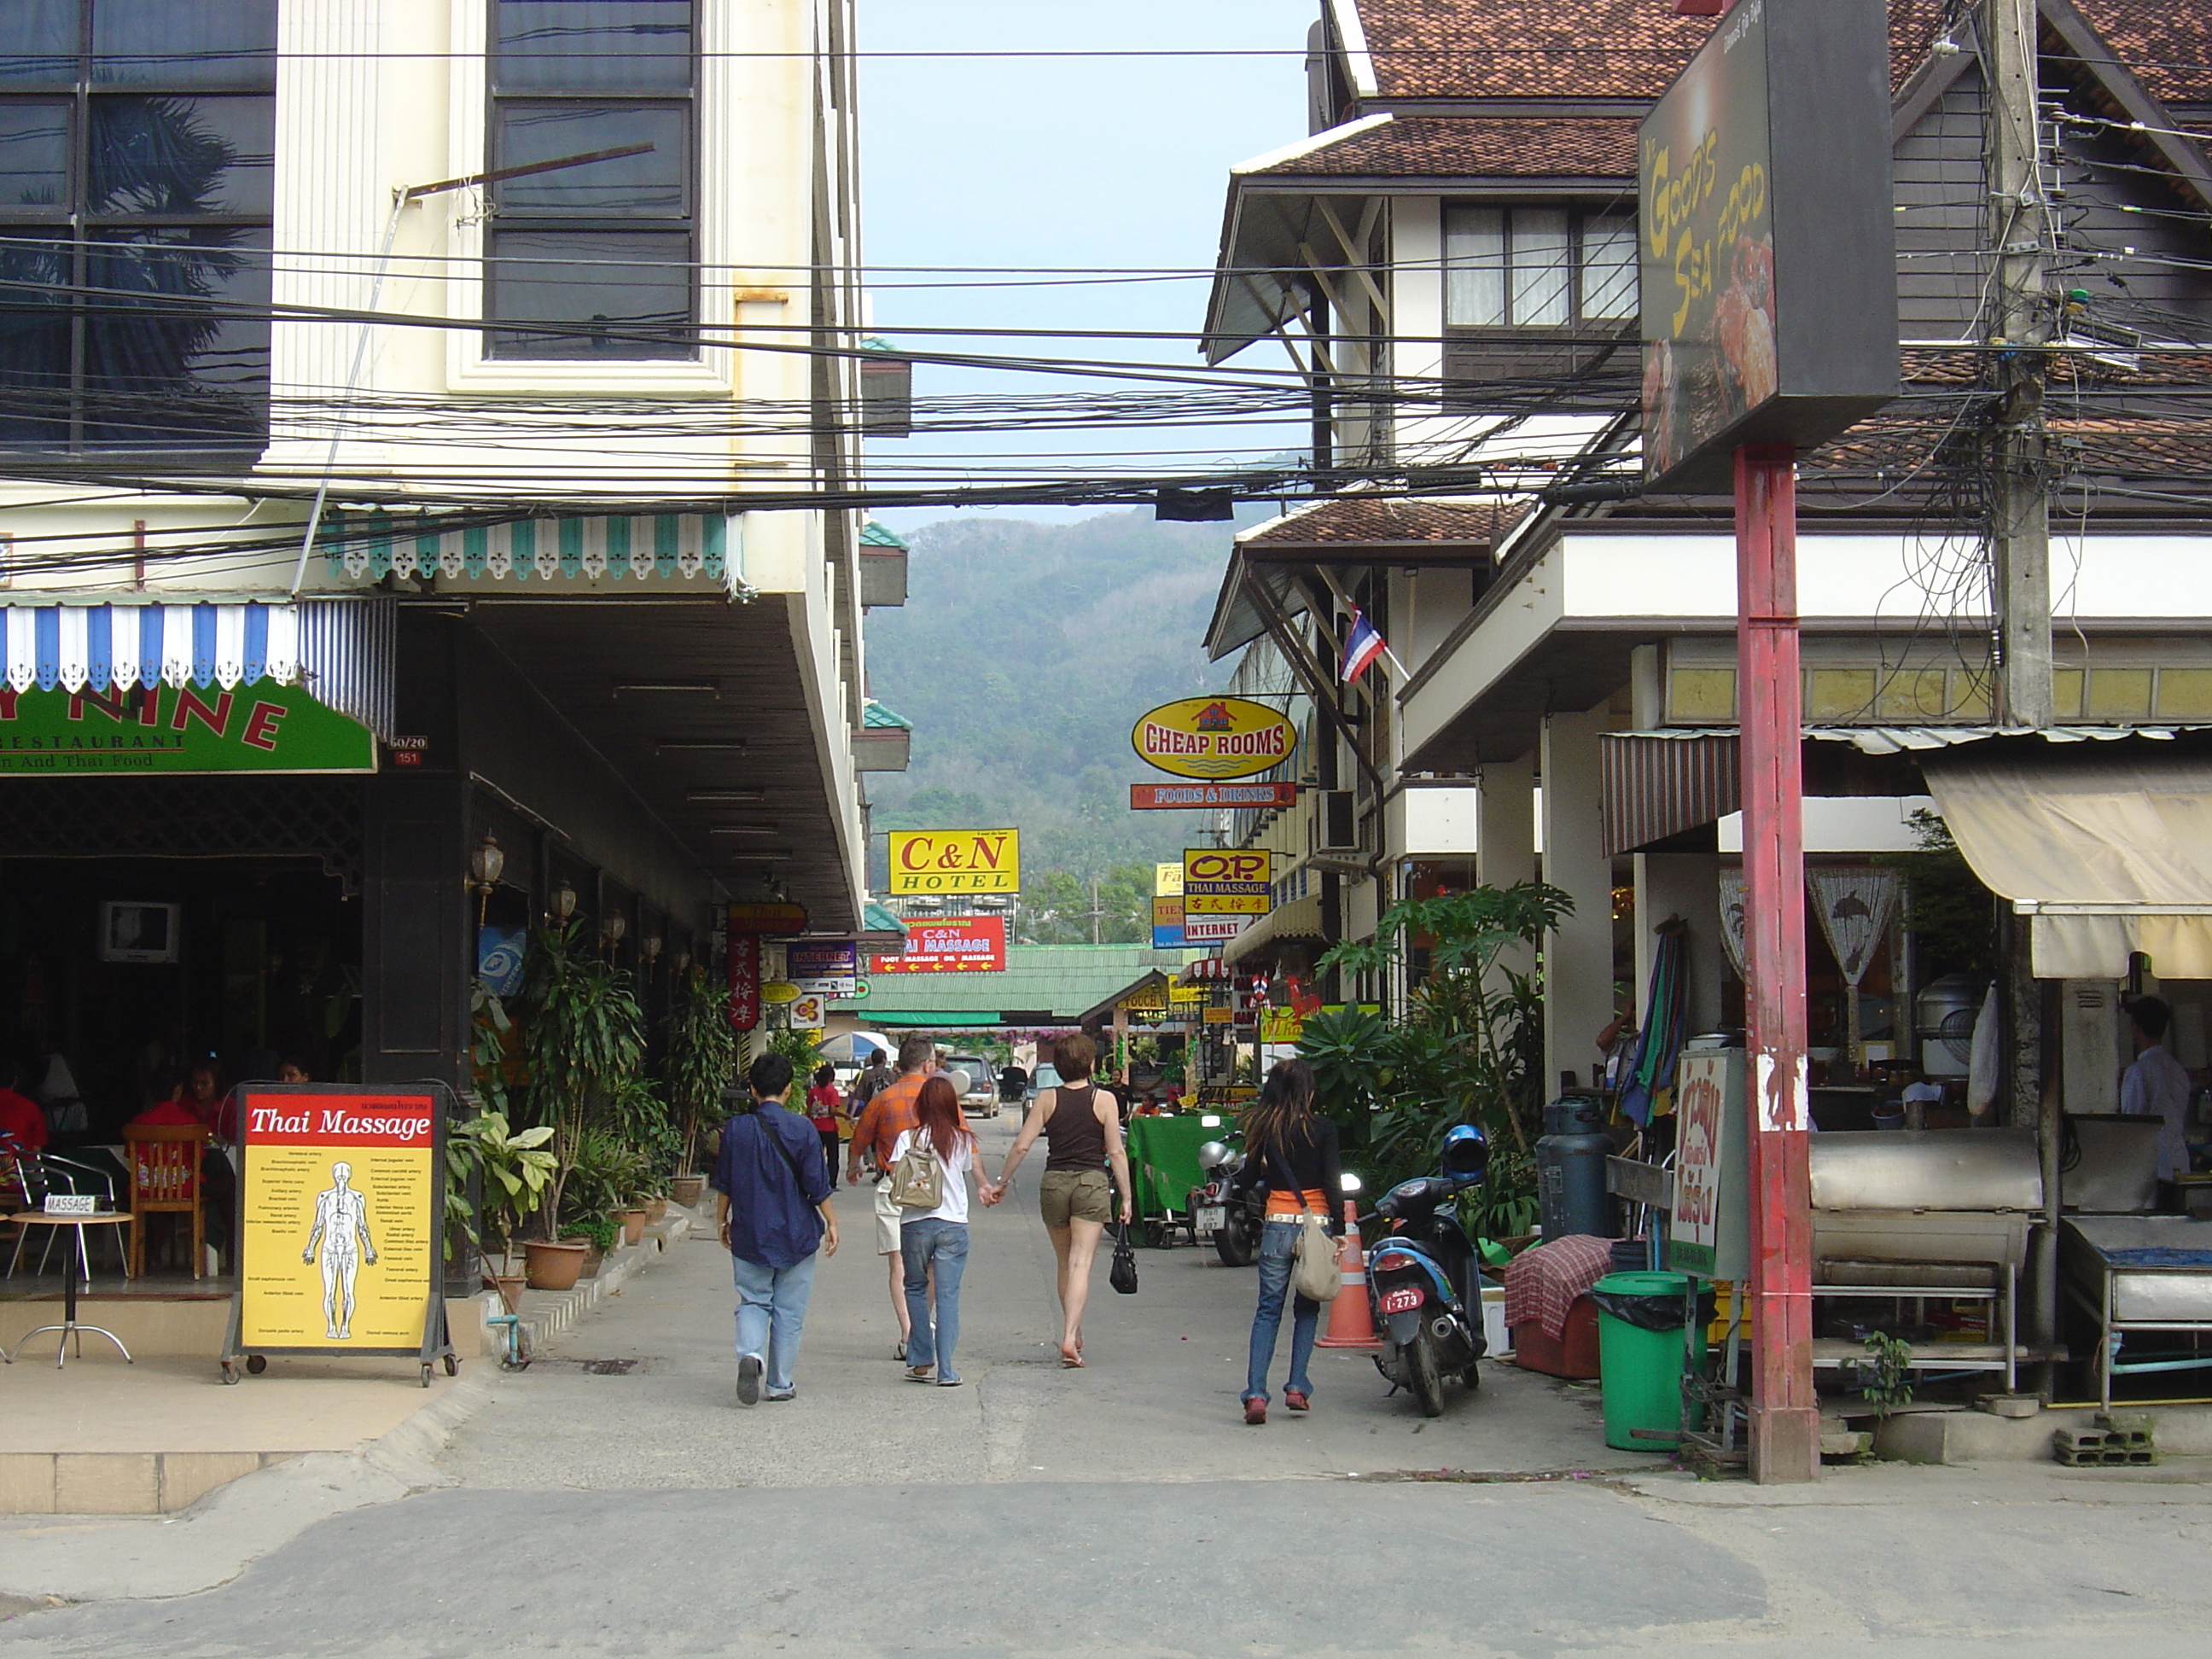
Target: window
column 592, row 261
column 1537, row 267
column 136, row 168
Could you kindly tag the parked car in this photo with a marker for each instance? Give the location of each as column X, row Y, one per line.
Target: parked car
column 1046, row 1076
column 981, row 1097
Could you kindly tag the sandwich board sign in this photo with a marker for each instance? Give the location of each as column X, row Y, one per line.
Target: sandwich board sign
column 1709, row 1232
column 340, row 1224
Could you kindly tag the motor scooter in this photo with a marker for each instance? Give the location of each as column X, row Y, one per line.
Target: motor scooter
column 1216, row 1207
column 1422, row 1278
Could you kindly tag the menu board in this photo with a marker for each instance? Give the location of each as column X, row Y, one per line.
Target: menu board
column 340, row 1196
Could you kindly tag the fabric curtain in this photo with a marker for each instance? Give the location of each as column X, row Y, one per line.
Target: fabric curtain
column 2107, row 854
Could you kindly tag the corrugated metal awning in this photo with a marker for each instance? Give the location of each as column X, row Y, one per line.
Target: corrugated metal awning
column 1652, row 787
column 1298, row 919
column 339, row 650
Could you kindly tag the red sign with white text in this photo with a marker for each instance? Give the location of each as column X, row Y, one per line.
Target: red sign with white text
column 964, row 944
column 349, row 1120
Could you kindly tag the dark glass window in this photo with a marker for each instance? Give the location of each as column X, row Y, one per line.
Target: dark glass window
column 136, row 168
column 594, row 260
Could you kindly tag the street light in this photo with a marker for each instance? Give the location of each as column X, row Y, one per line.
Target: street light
column 563, row 898
column 485, row 864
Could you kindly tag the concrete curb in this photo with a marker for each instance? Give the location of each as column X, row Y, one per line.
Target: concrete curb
column 547, row 1314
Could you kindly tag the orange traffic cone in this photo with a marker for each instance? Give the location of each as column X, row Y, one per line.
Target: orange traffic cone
column 1350, row 1325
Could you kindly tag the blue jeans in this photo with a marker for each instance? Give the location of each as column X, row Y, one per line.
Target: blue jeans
column 934, row 1241
column 1279, row 1243
column 771, row 1310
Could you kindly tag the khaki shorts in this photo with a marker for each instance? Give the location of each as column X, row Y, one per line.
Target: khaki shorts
column 1066, row 1195
column 888, row 1217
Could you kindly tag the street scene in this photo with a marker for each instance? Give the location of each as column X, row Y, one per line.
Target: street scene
column 1319, row 826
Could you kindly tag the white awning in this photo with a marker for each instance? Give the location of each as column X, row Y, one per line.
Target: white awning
column 2106, row 854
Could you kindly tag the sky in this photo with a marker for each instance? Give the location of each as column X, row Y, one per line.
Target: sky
column 1089, row 162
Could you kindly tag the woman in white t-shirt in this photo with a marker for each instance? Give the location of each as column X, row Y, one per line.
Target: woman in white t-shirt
column 933, row 1243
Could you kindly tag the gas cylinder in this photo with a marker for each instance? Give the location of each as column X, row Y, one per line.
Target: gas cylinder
column 1570, row 1168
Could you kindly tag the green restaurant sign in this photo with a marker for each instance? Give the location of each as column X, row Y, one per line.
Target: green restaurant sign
column 262, row 727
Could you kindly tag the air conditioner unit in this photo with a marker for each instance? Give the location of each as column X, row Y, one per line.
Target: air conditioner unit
column 1338, row 824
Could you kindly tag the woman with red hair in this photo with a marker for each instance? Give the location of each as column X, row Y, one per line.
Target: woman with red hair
column 933, row 1243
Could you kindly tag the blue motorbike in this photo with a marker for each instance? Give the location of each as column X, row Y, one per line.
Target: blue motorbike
column 1422, row 1278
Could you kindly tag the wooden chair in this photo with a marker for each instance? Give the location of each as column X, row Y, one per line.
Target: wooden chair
column 165, row 1177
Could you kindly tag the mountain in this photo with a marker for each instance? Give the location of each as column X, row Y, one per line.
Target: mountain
column 1024, row 654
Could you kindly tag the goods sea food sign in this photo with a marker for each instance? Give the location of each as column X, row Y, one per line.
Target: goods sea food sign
column 1769, row 250
column 1213, row 737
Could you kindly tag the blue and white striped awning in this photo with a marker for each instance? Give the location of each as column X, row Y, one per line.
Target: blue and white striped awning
column 678, row 546
column 340, row 651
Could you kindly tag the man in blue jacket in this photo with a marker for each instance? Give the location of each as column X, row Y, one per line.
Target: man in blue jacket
column 772, row 1200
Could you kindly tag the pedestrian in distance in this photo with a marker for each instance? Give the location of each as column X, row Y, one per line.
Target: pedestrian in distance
column 772, row 1204
column 933, row 1243
column 824, row 1109
column 1082, row 1128
column 1290, row 1153
column 888, row 1114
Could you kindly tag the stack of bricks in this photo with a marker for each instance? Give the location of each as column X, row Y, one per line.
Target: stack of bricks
column 2120, row 1440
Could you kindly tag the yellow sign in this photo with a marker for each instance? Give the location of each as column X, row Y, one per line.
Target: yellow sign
column 777, row 991
column 956, row 861
column 1225, row 881
column 1214, row 737
column 1166, row 881
column 340, row 1191
column 1182, row 995
column 1281, row 1025
column 1145, row 999
column 1167, row 913
column 1216, row 1016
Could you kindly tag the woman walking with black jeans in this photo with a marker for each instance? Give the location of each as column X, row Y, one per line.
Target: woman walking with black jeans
column 1290, row 1152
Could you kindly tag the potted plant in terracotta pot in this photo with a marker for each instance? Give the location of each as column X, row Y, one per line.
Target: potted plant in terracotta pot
column 701, row 1052
column 517, row 1170
column 583, row 1035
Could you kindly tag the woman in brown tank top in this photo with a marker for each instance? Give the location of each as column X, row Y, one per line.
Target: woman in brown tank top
column 1082, row 1128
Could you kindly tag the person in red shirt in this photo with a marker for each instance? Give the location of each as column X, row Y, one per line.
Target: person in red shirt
column 22, row 1125
column 202, row 1106
column 824, row 1105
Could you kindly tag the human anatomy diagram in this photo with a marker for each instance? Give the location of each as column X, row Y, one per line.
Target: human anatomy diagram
column 341, row 1228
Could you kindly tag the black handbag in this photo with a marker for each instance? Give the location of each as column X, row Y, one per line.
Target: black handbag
column 1123, row 1275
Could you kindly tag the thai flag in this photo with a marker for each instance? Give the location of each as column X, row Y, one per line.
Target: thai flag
column 1362, row 645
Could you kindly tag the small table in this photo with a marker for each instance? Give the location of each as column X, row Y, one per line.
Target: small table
column 69, row 1326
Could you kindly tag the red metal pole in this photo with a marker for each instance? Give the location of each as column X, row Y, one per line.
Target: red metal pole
column 1785, row 1414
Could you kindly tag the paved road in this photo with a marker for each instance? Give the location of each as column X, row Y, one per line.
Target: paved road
column 1125, row 1510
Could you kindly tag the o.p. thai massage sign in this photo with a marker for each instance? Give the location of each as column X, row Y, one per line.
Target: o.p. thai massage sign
column 962, row 945
column 1224, row 889
column 1769, row 267
column 341, row 1201
column 1213, row 737
column 925, row 861
column 264, row 727
column 1709, row 1233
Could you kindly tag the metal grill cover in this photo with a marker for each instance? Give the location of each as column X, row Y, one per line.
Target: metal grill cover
column 1927, row 1169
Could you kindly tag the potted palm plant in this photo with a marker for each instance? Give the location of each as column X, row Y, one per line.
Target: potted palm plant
column 583, row 1035
column 700, row 1052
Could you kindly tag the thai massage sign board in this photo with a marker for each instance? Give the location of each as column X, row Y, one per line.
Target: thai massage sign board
column 341, row 1203
column 1709, row 1230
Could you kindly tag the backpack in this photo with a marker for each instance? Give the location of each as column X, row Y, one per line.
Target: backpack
column 917, row 1178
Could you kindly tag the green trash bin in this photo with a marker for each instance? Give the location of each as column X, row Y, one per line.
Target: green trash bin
column 1640, row 1367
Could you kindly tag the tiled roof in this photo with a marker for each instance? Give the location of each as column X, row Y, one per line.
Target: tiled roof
column 881, row 717
column 2166, row 43
column 1454, row 146
column 1573, row 48
column 875, row 534
column 1356, row 520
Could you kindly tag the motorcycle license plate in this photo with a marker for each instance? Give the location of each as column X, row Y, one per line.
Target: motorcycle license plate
column 1403, row 1299
column 1212, row 1218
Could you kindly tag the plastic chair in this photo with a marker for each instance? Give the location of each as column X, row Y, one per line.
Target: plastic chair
column 164, row 1161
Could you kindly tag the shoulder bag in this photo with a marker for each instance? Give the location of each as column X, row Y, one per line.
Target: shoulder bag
column 1315, row 1273
column 917, row 1178
column 1124, row 1274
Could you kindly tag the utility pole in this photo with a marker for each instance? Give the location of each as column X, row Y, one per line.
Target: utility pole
column 2020, row 513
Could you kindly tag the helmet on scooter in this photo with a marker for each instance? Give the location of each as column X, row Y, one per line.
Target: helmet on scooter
column 1212, row 1155
column 1466, row 1153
